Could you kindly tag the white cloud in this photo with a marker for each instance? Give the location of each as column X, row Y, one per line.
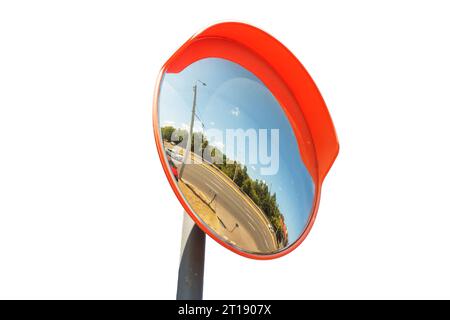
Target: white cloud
column 168, row 123
column 235, row 111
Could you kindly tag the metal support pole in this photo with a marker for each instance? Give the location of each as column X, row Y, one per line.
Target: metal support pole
column 192, row 261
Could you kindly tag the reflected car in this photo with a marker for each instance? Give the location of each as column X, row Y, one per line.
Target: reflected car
column 174, row 169
column 175, row 156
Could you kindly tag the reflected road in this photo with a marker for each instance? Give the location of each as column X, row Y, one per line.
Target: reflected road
column 232, row 206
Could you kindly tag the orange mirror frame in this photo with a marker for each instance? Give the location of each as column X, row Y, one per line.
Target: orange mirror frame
column 291, row 85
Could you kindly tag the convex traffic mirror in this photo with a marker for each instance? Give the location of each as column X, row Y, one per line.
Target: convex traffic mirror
column 245, row 139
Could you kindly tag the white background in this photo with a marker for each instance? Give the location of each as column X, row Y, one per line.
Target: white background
column 86, row 212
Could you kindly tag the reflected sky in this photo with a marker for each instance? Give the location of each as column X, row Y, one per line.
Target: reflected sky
column 234, row 98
